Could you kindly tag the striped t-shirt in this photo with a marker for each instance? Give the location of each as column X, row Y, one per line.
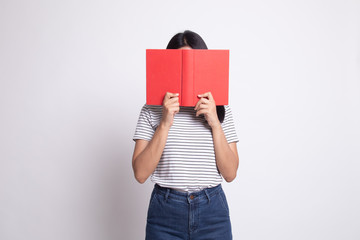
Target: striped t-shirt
column 188, row 160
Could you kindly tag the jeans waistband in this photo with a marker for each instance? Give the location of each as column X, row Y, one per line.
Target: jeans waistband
column 184, row 196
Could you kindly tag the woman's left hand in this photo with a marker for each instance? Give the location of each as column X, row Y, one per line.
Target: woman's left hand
column 206, row 105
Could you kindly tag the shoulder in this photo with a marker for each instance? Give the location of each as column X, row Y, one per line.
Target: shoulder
column 152, row 108
column 227, row 109
column 151, row 112
column 228, row 114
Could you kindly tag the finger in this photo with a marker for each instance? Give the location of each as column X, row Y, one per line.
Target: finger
column 197, row 104
column 201, row 101
column 201, row 95
column 211, row 98
column 204, row 95
column 205, row 100
column 173, row 100
column 207, row 95
column 203, row 111
column 202, row 106
column 176, row 104
column 171, row 95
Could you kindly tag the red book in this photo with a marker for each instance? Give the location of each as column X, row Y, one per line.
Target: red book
column 188, row 72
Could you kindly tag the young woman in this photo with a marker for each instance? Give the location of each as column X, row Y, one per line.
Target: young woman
column 187, row 151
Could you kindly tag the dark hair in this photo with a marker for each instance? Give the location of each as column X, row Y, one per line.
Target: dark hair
column 193, row 40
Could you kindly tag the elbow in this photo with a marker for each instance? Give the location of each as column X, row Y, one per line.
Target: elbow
column 232, row 174
column 230, row 178
column 138, row 176
column 140, row 179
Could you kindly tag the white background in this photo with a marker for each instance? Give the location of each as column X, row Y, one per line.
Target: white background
column 72, row 83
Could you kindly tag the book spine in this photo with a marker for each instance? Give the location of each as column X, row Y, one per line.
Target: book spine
column 187, row 88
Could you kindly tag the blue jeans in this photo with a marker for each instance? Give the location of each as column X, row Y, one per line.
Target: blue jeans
column 192, row 216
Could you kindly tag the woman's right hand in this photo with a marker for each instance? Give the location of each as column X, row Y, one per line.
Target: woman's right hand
column 171, row 106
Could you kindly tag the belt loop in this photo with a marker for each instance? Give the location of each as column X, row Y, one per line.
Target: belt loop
column 167, row 194
column 207, row 194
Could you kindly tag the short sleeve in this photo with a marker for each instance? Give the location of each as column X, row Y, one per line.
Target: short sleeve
column 144, row 129
column 228, row 126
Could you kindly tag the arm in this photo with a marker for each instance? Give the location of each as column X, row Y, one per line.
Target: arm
column 147, row 154
column 226, row 155
column 227, row 159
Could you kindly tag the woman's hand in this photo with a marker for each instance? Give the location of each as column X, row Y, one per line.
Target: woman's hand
column 206, row 105
column 170, row 108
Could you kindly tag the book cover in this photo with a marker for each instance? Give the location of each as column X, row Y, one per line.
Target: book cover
column 188, row 72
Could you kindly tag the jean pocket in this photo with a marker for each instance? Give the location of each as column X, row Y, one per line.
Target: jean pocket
column 223, row 201
column 152, row 198
column 152, row 205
